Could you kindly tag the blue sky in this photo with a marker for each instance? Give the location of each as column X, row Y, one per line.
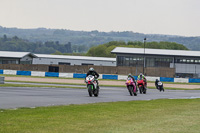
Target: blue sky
column 172, row 17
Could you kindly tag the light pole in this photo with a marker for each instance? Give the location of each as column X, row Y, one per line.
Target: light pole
column 144, row 54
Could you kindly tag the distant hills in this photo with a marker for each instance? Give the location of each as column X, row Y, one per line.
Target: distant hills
column 93, row 38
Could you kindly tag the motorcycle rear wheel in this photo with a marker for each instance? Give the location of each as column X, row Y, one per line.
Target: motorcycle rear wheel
column 96, row 92
column 144, row 90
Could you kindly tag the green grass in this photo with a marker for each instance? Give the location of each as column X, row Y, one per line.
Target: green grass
column 155, row 116
column 6, row 75
column 28, row 85
column 44, row 82
column 169, row 88
column 61, row 83
column 177, row 83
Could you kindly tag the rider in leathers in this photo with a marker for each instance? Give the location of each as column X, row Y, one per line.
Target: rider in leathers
column 93, row 73
column 143, row 77
column 129, row 75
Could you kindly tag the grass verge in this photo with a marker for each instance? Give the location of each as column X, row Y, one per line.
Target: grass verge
column 169, row 88
column 155, row 116
column 100, row 85
column 28, row 85
column 62, row 83
column 6, row 75
column 44, row 82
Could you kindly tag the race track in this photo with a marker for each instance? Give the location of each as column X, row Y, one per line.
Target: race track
column 16, row 97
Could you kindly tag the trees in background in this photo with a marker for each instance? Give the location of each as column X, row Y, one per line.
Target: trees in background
column 89, row 38
column 104, row 50
column 18, row 44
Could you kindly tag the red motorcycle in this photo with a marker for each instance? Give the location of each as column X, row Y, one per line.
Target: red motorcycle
column 131, row 86
column 141, row 86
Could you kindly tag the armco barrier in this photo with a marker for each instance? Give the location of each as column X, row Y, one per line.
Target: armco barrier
column 122, row 77
column 66, row 75
column 164, row 79
column 35, row 73
column 51, row 74
column 152, row 78
column 194, row 80
column 10, row 72
column 110, row 77
column 101, row 76
column 135, row 77
column 79, row 75
column 1, row 71
column 181, row 80
column 26, row 73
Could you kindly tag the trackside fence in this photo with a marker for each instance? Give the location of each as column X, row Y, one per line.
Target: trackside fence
column 102, row 76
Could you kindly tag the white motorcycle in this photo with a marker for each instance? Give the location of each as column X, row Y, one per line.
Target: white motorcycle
column 160, row 86
column 93, row 88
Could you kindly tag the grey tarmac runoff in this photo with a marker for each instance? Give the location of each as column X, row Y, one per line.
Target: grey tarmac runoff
column 18, row 97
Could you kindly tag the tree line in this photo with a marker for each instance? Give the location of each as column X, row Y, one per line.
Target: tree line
column 54, row 47
column 104, row 50
column 21, row 45
column 87, row 39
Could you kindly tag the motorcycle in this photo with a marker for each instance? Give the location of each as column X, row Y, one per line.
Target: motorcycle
column 131, row 86
column 93, row 88
column 159, row 86
column 141, row 86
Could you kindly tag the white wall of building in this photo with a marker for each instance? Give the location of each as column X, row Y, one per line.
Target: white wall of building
column 48, row 61
column 187, row 68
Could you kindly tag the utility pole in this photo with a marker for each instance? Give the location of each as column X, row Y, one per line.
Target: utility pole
column 144, row 54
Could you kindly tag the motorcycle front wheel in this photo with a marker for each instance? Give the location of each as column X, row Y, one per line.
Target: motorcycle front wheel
column 90, row 90
column 140, row 88
column 130, row 90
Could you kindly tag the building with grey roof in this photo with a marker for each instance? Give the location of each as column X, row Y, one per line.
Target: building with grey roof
column 73, row 60
column 10, row 57
column 185, row 62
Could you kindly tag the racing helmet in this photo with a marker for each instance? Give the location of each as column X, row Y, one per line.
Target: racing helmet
column 91, row 69
column 141, row 75
column 129, row 75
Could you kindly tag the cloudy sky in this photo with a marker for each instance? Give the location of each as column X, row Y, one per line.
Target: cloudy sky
column 172, row 17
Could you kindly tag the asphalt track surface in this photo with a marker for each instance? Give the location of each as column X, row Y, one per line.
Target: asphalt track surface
column 17, row 97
